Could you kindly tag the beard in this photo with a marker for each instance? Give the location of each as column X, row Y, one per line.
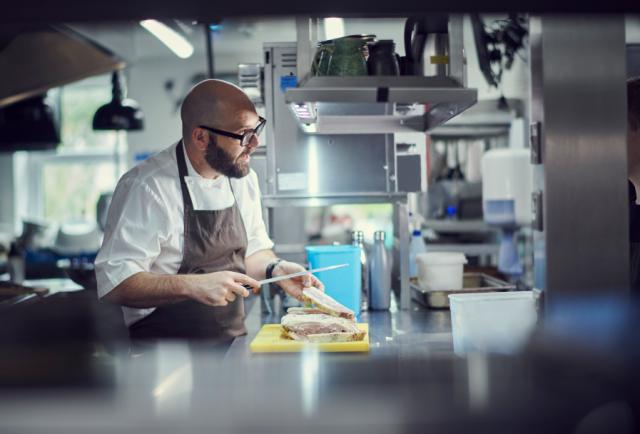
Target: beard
column 221, row 161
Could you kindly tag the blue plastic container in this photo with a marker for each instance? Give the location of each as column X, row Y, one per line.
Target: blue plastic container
column 342, row 284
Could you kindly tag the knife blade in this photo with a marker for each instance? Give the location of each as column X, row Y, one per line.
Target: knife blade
column 299, row 273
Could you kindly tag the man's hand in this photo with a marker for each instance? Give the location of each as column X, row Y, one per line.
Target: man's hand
column 295, row 285
column 219, row 288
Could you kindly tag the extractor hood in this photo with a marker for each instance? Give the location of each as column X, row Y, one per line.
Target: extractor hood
column 421, row 103
column 36, row 59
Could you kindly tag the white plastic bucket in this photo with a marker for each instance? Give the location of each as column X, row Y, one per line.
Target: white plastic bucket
column 440, row 271
column 498, row 322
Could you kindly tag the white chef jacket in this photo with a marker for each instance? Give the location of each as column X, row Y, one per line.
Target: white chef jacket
column 145, row 226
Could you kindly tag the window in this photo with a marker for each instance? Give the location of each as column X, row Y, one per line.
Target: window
column 65, row 184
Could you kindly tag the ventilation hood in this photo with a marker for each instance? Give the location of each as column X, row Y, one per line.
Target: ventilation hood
column 36, row 59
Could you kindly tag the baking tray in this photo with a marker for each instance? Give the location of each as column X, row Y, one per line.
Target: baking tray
column 471, row 283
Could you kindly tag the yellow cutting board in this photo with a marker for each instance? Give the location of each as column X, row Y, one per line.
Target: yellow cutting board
column 269, row 340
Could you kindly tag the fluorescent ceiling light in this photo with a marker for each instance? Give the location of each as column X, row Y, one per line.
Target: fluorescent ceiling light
column 333, row 28
column 169, row 37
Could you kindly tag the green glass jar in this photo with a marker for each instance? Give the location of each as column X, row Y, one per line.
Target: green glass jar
column 322, row 58
column 348, row 57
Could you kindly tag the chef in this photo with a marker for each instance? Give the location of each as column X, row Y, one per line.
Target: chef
column 633, row 154
column 185, row 232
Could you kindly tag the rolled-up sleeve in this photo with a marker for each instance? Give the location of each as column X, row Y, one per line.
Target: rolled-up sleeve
column 257, row 236
column 136, row 228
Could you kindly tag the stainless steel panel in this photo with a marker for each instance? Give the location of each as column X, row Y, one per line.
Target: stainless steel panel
column 308, row 165
column 400, row 267
column 319, row 170
column 579, row 96
column 305, row 47
column 287, row 229
column 409, row 172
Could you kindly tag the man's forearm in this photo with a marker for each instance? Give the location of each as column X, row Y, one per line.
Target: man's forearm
column 144, row 290
column 256, row 264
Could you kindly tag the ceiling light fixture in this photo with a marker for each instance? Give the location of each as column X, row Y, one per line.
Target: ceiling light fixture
column 121, row 113
column 169, row 37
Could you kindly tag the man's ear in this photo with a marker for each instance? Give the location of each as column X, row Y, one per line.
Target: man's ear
column 200, row 138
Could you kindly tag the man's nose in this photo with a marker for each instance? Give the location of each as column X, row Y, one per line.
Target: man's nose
column 253, row 143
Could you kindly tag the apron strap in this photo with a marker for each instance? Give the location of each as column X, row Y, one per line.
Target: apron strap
column 182, row 172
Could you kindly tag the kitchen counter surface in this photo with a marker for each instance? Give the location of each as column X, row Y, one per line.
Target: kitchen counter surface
column 410, row 381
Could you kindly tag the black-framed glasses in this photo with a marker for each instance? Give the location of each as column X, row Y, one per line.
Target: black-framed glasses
column 245, row 138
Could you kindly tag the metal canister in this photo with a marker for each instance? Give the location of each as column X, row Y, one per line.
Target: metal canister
column 357, row 239
column 380, row 274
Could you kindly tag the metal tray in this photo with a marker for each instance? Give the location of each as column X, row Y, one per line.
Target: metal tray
column 472, row 283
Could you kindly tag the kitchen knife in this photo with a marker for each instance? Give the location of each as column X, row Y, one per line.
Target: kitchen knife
column 299, row 273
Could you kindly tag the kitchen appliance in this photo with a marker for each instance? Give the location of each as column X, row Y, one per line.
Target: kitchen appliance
column 383, row 59
column 506, row 195
column 344, row 284
column 416, row 31
column 269, row 340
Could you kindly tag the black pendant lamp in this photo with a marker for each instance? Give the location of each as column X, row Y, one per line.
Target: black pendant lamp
column 121, row 113
column 30, row 124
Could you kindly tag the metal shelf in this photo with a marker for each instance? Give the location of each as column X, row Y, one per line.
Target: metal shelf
column 382, row 89
column 270, row 201
column 484, row 119
column 442, row 98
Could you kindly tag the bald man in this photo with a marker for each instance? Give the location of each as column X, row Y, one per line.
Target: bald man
column 185, row 235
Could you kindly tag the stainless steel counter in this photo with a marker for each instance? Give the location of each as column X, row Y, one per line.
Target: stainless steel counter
column 409, row 382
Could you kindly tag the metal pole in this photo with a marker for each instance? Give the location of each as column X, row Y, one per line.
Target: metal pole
column 209, row 39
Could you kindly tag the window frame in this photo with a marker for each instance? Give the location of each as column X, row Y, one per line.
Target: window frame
column 33, row 169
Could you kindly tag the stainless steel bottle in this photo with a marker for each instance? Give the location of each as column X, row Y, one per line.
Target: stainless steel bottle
column 357, row 239
column 380, row 272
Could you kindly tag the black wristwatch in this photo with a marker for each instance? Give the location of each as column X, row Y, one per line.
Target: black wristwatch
column 271, row 266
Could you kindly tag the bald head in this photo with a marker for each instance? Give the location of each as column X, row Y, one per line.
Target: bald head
column 213, row 103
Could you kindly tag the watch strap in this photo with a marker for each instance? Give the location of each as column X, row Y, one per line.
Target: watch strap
column 272, row 265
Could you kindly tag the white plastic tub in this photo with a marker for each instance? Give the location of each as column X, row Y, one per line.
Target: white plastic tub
column 440, row 271
column 498, row 322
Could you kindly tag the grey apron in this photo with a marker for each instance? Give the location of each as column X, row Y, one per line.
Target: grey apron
column 213, row 241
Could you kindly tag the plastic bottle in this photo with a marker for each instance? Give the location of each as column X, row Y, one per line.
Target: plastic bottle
column 416, row 247
column 357, row 239
column 380, row 274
